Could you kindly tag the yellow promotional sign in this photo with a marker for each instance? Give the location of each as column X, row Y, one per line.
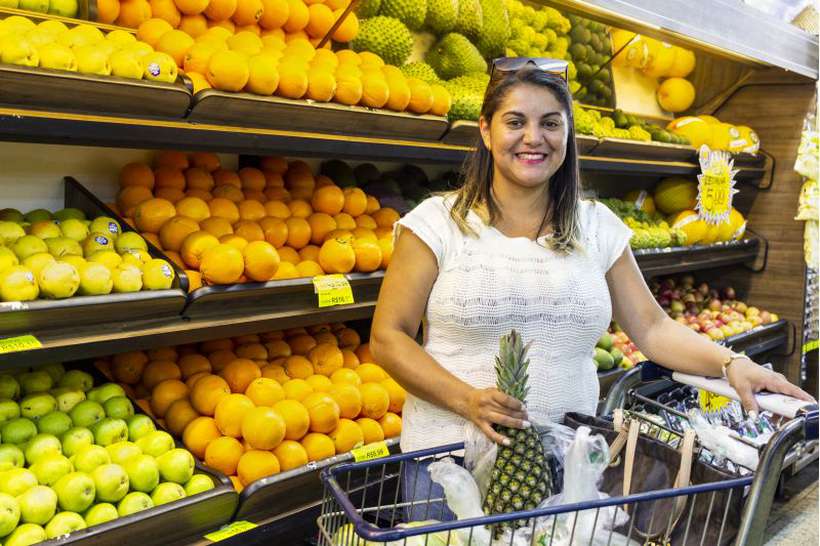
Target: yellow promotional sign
column 230, row 530
column 332, row 290
column 710, row 402
column 716, row 185
column 19, row 343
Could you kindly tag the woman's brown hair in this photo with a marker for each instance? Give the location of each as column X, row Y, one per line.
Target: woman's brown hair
column 564, row 186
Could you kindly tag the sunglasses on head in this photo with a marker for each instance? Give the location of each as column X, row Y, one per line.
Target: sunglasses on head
column 514, row 64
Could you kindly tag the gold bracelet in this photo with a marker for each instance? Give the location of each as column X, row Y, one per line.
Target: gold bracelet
column 728, row 362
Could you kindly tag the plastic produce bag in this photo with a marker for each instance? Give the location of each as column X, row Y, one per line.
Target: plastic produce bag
column 720, row 443
column 463, row 499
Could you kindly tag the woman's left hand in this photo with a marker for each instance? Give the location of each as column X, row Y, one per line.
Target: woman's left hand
column 749, row 378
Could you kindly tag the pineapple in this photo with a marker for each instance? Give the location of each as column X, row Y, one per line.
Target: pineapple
column 521, row 479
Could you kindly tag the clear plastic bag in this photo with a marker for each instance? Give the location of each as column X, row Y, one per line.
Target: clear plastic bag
column 720, row 442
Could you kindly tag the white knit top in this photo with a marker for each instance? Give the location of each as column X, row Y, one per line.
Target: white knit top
column 490, row 284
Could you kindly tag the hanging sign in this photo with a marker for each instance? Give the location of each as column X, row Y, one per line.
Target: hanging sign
column 716, row 185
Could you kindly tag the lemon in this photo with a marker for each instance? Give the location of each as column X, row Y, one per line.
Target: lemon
column 160, row 67
column 108, row 258
column 18, row 50
column 121, row 37
column 126, row 64
column 54, row 27
column 676, row 94
column 695, row 129
column 263, row 75
column 683, row 65
column 91, row 59
column 59, row 280
column 57, row 57
column 751, row 138
column 127, row 278
column 660, row 60
column 158, row 275
column 723, row 135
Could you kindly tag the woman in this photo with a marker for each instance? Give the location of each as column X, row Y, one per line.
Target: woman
column 516, row 247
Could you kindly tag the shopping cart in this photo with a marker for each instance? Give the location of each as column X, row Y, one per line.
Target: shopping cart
column 364, row 503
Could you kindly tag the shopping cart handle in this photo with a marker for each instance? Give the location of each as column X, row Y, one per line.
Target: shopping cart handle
column 652, row 372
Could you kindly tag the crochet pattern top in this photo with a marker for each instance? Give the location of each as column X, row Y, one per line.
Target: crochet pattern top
column 488, row 285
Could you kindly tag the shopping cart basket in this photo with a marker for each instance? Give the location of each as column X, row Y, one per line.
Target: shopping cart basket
column 364, row 505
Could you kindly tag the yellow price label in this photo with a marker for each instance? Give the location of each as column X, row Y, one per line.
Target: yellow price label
column 332, row 290
column 376, row 450
column 711, row 402
column 232, row 529
column 19, row 343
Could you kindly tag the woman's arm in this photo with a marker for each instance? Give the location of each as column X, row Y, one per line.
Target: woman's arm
column 677, row 347
column 402, row 300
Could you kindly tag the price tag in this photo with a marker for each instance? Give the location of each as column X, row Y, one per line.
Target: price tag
column 232, row 529
column 715, row 186
column 711, row 402
column 376, row 450
column 19, row 343
column 332, row 290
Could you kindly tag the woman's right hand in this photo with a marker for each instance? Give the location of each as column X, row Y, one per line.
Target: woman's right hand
column 488, row 407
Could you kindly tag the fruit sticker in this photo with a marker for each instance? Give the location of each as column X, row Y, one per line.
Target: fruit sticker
column 715, row 185
column 153, row 69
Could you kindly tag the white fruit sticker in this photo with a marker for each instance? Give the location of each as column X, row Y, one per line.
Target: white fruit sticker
column 154, row 69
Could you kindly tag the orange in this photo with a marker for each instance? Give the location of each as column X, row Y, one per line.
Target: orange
column 197, row 178
column 299, row 232
column 222, row 264
column 179, row 415
column 150, row 238
column 326, row 359
column 300, row 209
column 171, row 195
column 441, row 100
column 371, row 429
column 264, row 391
column 251, row 210
column 355, row 201
column 275, row 231
column 349, row 27
column 174, row 232
column 385, row 217
column 245, row 42
column 163, row 353
column 221, row 358
column 351, row 361
column 323, row 411
column 230, row 411
column 227, row 71
column 207, row 393
column 296, row 417
column 297, row 389
column 275, row 14
column 256, row 464
column 322, row 181
column 399, row 93
column 383, row 233
column 198, row 434
column 301, row 344
column 227, row 24
column 224, row 208
column 391, row 425
column 253, row 350
column 225, row 177
column 223, row 454
column 320, row 225
column 298, row 367
column 205, row 160
column 166, row 393
column 319, row 383
column 235, row 241
column 249, row 230
column 298, row 16
column 133, row 13
column 348, row 56
column 318, row 446
column 370, row 372
column 372, row 205
column 396, row 393
column 291, row 455
column 166, row 176
column 192, row 364
column 320, row 19
column 273, row 180
column 287, row 255
column 216, row 226
column 220, row 10
column 321, row 85
column 346, row 375
column 273, row 163
column 366, row 234
column 310, row 252
column 107, row 11
column 194, row 280
column 237, row 483
column 277, row 348
column 337, row 4
column 167, row 11
column 214, row 345
column 239, row 374
column 144, row 404
column 130, row 196
column 368, row 255
column 328, row 199
column 364, row 354
column 252, row 178
column 261, row 261
column 286, row 271
column 348, row 89
column 277, row 209
column 253, row 194
column 151, row 214
column 151, row 30
column 366, row 221
column 192, row 7
column 337, row 256
column 254, row 28
column 263, row 428
column 158, row 371
column 348, row 397
column 386, row 245
column 247, row 12
column 293, row 81
column 375, row 400
column 309, row 268
column 128, row 367
column 175, row 43
column 193, row 207
column 347, row 435
column 277, row 373
column 345, row 221
column 375, row 91
column 421, row 96
column 194, row 25
column 194, row 246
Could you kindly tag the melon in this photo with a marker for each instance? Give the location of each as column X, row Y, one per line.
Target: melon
column 676, row 194
column 690, row 223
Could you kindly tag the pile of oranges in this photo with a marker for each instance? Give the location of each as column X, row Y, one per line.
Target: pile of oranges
column 257, row 405
column 279, row 221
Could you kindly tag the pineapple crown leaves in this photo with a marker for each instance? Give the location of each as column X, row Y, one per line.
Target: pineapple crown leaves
column 511, row 366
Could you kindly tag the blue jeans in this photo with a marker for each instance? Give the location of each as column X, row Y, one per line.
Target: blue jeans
column 419, row 489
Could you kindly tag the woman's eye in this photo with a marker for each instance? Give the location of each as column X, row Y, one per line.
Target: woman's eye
column 551, row 124
column 515, row 123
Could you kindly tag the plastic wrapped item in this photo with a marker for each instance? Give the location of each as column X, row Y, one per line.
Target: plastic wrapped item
column 720, row 442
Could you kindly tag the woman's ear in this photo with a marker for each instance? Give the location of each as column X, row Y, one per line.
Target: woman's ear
column 484, row 129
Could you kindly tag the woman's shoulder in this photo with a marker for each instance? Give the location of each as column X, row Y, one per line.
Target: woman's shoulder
column 439, row 205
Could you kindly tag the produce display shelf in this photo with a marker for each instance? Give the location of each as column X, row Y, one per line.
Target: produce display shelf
column 667, row 261
column 760, row 339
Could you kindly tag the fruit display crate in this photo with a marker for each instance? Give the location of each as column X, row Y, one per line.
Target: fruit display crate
column 666, row 261
column 211, row 106
column 29, row 87
column 35, row 317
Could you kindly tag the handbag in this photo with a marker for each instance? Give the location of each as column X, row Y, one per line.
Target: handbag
column 640, row 464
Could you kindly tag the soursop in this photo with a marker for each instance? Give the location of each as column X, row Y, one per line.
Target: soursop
column 410, row 12
column 441, row 15
column 421, row 71
column 453, row 56
column 470, row 18
column 368, row 8
column 387, row 37
column 496, row 28
column 476, row 82
column 466, row 104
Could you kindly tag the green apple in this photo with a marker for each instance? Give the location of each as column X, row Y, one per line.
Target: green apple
column 65, row 523
column 55, row 370
column 17, row 283
column 75, row 439
column 11, row 456
column 95, row 280
column 25, row 535
column 17, row 481
column 72, row 228
column 37, row 505
column 134, row 502
column 35, row 406
column 107, row 225
column 9, row 387
column 77, row 380
column 130, row 240
column 19, row 51
column 176, row 465
column 139, row 426
column 111, row 482
column 143, row 473
column 28, row 245
column 9, row 514
column 45, row 229
column 10, row 232
column 56, row 423
column 67, row 213
column 51, row 468
column 198, row 483
column 122, row 452
column 101, row 513
column 9, row 409
column 75, row 491
column 104, row 392
column 40, row 6
column 11, row 215
column 18, row 431
column 64, row 8
column 37, row 215
column 42, row 445
column 167, row 492
column 90, row 457
column 36, row 381
column 86, row 413
column 156, row 443
column 110, row 431
column 119, row 407
column 67, row 398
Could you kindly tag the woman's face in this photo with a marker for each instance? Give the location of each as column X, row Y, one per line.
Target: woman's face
column 527, row 135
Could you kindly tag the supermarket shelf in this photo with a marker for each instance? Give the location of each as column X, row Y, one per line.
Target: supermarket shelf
column 608, row 378
column 760, row 339
column 667, row 261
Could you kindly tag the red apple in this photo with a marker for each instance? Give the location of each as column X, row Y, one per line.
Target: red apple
column 766, row 317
